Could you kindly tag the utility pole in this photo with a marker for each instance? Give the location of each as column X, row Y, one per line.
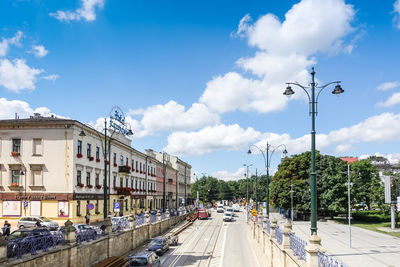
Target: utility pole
column 256, row 192
column 291, row 203
column 348, row 200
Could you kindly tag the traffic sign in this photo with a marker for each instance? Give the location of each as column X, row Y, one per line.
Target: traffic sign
column 117, row 206
column 254, row 218
column 25, row 204
column 90, row 206
column 254, row 212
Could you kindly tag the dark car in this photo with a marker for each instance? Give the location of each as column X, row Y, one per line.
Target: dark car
column 18, row 236
column 159, row 244
column 145, row 259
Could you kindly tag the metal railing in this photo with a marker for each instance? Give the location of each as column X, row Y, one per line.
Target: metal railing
column 172, row 213
column 121, row 224
column 261, row 221
column 164, row 215
column 85, row 235
column 324, row 260
column 269, row 226
column 298, row 246
column 278, row 234
column 153, row 218
column 33, row 244
column 139, row 220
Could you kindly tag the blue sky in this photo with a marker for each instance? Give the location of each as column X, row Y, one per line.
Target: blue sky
column 204, row 79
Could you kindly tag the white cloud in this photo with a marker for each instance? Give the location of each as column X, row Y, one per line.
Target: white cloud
column 391, row 101
column 380, row 128
column 8, row 108
column 51, row 77
column 16, row 75
column 172, row 117
column 229, row 176
column 388, row 85
column 285, row 53
column 5, row 43
column 219, row 137
column 87, row 11
column 396, row 6
column 39, row 51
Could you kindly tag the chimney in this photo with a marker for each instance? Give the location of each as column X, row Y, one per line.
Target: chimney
column 36, row 115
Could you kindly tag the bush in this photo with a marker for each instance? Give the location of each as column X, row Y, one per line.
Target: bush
column 370, row 216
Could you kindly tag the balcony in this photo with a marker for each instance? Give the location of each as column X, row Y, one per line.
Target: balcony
column 170, row 181
column 124, row 169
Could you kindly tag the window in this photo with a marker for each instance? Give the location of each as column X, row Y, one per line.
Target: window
column 127, row 162
column 132, row 183
column 131, row 203
column 89, row 150
column 132, row 165
column 140, row 167
column 115, row 181
column 121, row 160
column 140, row 184
column 115, row 158
column 87, row 178
column 79, row 147
column 78, row 208
column 121, row 182
column 97, row 152
column 136, row 184
column 78, row 177
column 137, row 166
column 37, row 177
column 127, row 182
column 97, row 181
column 15, row 175
column 16, row 145
column 126, row 204
column 37, row 146
column 97, row 207
column 148, row 169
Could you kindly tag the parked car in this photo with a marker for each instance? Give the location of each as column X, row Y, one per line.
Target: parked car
column 202, row 214
column 31, row 221
column 159, row 245
column 220, row 209
column 145, row 259
column 227, row 217
column 21, row 234
column 172, row 240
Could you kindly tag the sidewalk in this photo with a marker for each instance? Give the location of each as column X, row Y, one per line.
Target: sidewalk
column 368, row 248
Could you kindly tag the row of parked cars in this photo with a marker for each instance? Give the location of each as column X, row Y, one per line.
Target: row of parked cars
column 156, row 248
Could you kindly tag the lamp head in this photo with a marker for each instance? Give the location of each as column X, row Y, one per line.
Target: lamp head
column 249, row 151
column 289, row 91
column 285, row 152
column 338, row 90
column 129, row 132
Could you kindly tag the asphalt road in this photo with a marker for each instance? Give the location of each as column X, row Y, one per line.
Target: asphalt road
column 213, row 242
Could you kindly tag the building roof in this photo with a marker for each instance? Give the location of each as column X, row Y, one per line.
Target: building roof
column 349, row 159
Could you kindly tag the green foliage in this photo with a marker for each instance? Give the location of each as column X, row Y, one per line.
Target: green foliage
column 370, row 216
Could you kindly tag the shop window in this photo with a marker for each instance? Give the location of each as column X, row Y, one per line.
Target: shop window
column 78, row 208
column 97, row 207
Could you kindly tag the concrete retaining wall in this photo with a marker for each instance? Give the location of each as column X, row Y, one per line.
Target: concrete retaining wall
column 90, row 253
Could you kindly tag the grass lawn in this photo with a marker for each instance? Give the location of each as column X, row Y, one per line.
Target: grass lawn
column 370, row 226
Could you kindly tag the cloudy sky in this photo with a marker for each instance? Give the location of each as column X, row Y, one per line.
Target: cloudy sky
column 204, row 79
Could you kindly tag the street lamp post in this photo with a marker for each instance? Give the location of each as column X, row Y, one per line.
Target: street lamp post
column 291, row 203
column 247, row 182
column 313, row 100
column 267, row 162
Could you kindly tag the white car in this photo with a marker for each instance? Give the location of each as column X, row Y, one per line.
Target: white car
column 236, row 207
column 227, row 217
column 220, row 209
column 229, row 210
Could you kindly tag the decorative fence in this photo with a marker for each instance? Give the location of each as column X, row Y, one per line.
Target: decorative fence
column 163, row 215
column 153, row 218
column 140, row 219
column 261, row 221
column 278, row 233
column 268, row 226
column 324, row 260
column 120, row 224
column 172, row 213
column 32, row 244
column 298, row 246
column 85, row 235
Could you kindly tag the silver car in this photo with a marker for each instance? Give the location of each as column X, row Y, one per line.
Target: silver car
column 31, row 221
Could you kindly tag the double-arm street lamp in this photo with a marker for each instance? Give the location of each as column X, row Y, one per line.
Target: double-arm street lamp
column 267, row 153
column 313, row 101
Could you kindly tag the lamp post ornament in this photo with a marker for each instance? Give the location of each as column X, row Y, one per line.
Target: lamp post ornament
column 313, row 102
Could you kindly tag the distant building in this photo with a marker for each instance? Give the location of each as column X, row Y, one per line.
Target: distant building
column 349, row 159
column 383, row 165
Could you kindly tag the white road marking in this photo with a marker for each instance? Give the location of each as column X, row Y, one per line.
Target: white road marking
column 223, row 245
